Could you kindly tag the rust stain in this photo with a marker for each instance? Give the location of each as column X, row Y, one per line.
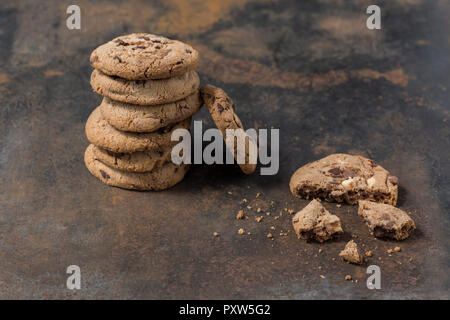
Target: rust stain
column 184, row 17
column 396, row 76
column 232, row 70
column 52, row 73
column 4, row 78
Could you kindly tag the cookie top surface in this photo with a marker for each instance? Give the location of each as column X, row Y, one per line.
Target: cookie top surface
column 145, row 92
column 222, row 110
column 141, row 56
column 100, row 133
column 136, row 118
column 158, row 179
column 344, row 177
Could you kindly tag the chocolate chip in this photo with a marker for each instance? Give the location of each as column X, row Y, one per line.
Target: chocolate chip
column 349, row 173
column 122, row 43
column 393, row 180
column 117, row 58
column 188, row 51
column 379, row 232
column 179, row 62
column 220, row 108
column 145, row 38
column 335, row 171
column 157, row 47
column 104, row 175
column 156, row 41
column 141, row 47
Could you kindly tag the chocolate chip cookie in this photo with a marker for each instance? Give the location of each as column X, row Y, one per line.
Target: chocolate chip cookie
column 145, row 92
column 135, row 118
column 386, row 221
column 344, row 178
column 222, row 110
column 140, row 161
column 100, row 133
column 142, row 56
column 314, row 222
column 158, row 179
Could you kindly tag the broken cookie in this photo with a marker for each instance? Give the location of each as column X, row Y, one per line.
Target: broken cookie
column 344, row 178
column 315, row 222
column 351, row 253
column 386, row 221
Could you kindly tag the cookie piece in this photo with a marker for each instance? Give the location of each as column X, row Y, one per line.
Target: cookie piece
column 134, row 118
column 344, row 177
column 386, row 221
column 158, row 179
column 351, row 253
column 222, row 110
column 140, row 161
column 145, row 92
column 142, row 56
column 100, row 133
column 314, row 222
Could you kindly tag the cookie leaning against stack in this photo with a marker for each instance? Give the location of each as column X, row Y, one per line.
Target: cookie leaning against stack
column 150, row 89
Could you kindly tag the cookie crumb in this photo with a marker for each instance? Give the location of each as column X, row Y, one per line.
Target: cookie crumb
column 320, row 250
column 368, row 253
column 269, row 235
column 340, row 205
column 215, row 234
column 241, row 231
column 258, row 195
column 390, row 251
column 397, row 249
column 258, row 219
column 240, row 214
column 230, row 193
column 249, row 207
column 348, row 277
column 291, row 211
column 258, row 210
column 322, row 276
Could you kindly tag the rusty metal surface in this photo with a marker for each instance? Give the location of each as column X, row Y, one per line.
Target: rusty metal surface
column 310, row 68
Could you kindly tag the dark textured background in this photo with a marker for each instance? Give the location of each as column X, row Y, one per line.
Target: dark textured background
column 310, row 68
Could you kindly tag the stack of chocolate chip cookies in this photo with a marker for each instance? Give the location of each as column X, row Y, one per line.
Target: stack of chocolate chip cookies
column 149, row 88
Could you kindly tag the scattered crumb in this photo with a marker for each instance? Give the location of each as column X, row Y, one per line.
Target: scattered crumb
column 244, row 200
column 215, row 234
column 320, row 250
column 390, row 251
column 369, row 253
column 334, row 259
column 291, row 211
column 397, row 249
column 258, row 195
column 348, row 277
column 272, row 227
column 258, row 210
column 269, row 235
column 276, row 217
column 339, row 205
column 249, row 233
column 240, row 214
column 241, row 231
column 249, row 207
column 322, row 276
column 230, row 193
column 267, row 213
column 258, row 219
column 320, row 268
